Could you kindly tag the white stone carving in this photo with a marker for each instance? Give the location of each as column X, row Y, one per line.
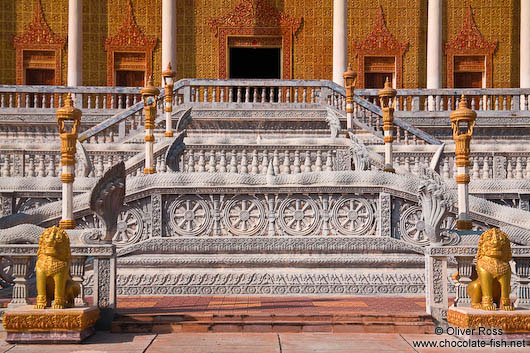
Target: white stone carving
column 244, row 215
column 189, row 215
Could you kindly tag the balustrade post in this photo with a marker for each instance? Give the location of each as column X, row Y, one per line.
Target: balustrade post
column 465, row 269
column 77, row 270
column 522, row 270
column 436, row 294
column 20, row 289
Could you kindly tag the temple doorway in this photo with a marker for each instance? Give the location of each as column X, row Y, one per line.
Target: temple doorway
column 129, row 78
column 260, row 63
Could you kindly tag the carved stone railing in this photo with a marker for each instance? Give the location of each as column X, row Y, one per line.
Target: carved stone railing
column 446, row 99
column 436, row 259
column 255, row 159
column 42, row 98
column 104, row 272
column 44, row 160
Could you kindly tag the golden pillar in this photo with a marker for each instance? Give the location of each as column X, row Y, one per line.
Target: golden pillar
column 150, row 97
column 168, row 75
column 387, row 97
column 463, row 121
column 349, row 85
column 68, row 120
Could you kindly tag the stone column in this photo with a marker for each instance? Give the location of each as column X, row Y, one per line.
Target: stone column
column 340, row 40
column 75, row 43
column 435, row 283
column 434, row 48
column 169, row 27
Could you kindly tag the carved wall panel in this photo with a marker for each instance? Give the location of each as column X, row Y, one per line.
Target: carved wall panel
column 470, row 43
column 255, row 19
column 129, row 49
column 379, row 43
column 39, row 46
column 405, row 20
column 286, row 215
column 496, row 21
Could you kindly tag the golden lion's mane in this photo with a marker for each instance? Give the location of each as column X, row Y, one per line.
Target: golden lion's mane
column 53, row 264
column 484, row 241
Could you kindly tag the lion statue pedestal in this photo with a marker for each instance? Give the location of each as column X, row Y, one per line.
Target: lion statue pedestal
column 491, row 308
column 53, row 319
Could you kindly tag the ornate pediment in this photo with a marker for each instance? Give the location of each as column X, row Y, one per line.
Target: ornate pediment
column 380, row 39
column 130, row 35
column 37, row 32
column 255, row 14
column 470, row 39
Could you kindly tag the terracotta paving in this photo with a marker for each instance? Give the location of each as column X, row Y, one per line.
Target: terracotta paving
column 223, row 305
column 251, row 342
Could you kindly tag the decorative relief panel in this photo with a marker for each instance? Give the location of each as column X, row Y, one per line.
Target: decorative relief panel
column 469, row 42
column 129, row 38
column 286, row 215
column 380, row 42
column 498, row 21
column 255, row 19
column 406, row 21
column 38, row 36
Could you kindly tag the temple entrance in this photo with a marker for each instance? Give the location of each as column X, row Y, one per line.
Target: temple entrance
column 40, row 77
column 127, row 78
column 255, row 63
column 377, row 79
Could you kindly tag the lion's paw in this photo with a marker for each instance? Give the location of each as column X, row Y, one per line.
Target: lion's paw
column 39, row 306
column 508, row 307
column 58, row 306
column 490, row 307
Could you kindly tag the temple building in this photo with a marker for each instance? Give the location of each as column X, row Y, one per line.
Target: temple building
column 416, row 43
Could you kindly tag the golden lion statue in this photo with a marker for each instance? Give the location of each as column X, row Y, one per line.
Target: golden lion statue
column 492, row 277
column 53, row 270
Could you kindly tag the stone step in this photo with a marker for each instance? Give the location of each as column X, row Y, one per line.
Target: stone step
column 414, row 323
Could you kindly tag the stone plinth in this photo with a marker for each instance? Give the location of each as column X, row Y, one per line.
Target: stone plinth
column 517, row 321
column 28, row 325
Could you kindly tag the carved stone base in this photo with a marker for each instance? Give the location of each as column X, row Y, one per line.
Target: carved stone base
column 28, row 325
column 517, row 321
column 52, row 337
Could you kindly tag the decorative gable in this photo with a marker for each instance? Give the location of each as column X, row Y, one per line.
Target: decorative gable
column 255, row 22
column 470, row 39
column 38, row 36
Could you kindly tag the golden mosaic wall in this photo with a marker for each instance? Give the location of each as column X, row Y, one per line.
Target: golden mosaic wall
column 403, row 19
column 7, row 57
column 312, row 46
column 496, row 20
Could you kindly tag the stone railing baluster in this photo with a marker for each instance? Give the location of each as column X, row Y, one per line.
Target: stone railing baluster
column 233, row 162
column 20, row 289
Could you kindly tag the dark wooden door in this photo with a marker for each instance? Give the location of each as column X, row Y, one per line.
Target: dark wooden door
column 376, row 79
column 468, row 79
column 39, row 77
column 126, row 78
column 129, row 78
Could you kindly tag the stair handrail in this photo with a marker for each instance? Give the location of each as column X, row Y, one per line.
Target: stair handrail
column 376, row 110
column 123, row 115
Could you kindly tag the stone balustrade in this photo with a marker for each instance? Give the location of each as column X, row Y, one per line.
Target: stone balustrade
column 437, row 274
column 43, row 98
column 256, row 160
column 447, row 99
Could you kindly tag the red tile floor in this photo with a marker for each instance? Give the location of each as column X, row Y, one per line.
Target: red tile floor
column 241, row 305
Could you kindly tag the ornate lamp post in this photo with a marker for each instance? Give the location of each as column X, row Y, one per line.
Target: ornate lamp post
column 168, row 76
column 463, row 121
column 68, row 120
column 149, row 92
column 349, row 84
column 387, row 97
